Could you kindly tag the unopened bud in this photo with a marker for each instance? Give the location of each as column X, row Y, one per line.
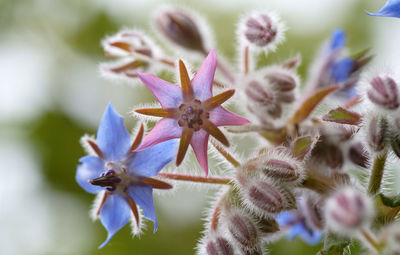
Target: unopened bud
column 312, row 213
column 292, row 63
column 181, row 28
column 264, row 197
column 328, row 153
column 282, row 81
column 262, row 30
column 348, row 211
column 218, row 246
column 259, row 93
column 358, row 155
column 267, row 225
column 384, row 92
column 377, row 130
column 281, row 170
column 243, row 229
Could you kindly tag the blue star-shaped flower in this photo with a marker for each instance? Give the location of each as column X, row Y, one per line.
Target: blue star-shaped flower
column 124, row 176
column 295, row 225
column 390, row 9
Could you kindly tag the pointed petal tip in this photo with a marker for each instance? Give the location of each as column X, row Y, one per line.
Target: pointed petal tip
column 101, row 246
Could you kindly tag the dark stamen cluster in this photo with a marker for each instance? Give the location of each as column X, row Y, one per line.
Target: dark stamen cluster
column 192, row 115
column 108, row 179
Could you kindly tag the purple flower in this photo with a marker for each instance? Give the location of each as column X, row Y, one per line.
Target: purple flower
column 124, row 176
column 390, row 9
column 296, row 225
column 190, row 112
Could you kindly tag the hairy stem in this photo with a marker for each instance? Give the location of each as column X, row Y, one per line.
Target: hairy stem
column 375, row 180
column 370, row 239
column 225, row 154
column 196, row 178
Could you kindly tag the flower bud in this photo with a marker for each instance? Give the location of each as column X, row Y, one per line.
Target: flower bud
column 262, row 30
column 358, row 155
column 181, row 28
column 218, row 246
column 311, row 212
column 282, row 170
column 384, row 92
column 243, row 229
column 263, row 197
column 267, row 225
column 377, row 130
column 348, row 211
column 283, row 81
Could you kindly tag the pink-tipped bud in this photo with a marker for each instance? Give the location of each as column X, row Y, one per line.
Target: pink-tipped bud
column 218, row 246
column 259, row 93
column 384, row 92
column 243, row 230
column 262, row 30
column 181, row 28
column 377, row 131
column 282, row 170
column 348, row 211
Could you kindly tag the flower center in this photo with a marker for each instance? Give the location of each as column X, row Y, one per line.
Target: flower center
column 192, row 115
column 115, row 177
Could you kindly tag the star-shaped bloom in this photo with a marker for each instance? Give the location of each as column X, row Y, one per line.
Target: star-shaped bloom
column 190, row 112
column 390, row 9
column 124, row 176
column 295, row 225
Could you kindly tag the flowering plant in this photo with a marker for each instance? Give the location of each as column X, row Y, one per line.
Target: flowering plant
column 314, row 140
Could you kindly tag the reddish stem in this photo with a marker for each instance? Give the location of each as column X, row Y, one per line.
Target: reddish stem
column 196, row 178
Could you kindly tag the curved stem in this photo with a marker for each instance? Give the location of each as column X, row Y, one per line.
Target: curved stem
column 196, row 178
column 375, row 180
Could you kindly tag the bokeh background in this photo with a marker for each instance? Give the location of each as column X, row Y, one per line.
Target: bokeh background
column 51, row 93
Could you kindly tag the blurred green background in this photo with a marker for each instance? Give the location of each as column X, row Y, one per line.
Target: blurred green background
column 51, row 93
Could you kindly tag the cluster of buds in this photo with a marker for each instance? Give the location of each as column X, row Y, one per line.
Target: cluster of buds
column 265, row 96
column 383, row 92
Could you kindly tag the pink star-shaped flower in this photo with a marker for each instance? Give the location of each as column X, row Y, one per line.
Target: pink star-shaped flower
column 190, row 112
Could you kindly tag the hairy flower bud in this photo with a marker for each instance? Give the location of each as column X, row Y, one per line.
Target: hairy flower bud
column 377, row 131
column 242, row 229
column 262, row 30
column 267, row 225
column 283, row 81
column 181, row 28
column 263, row 197
column 348, row 211
column 358, row 154
column 218, row 246
column 384, row 92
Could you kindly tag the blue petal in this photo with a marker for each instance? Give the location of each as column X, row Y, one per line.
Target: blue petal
column 114, row 214
column 313, row 237
column 285, row 217
column 90, row 168
column 112, row 137
column 150, row 161
column 295, row 230
column 338, row 39
column 341, row 69
column 390, row 9
column 143, row 196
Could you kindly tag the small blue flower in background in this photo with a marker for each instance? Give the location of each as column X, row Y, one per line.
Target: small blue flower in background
column 295, row 225
column 390, row 9
column 122, row 175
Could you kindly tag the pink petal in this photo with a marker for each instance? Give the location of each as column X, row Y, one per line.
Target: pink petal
column 165, row 129
column 203, row 80
column 222, row 117
column 199, row 144
column 169, row 95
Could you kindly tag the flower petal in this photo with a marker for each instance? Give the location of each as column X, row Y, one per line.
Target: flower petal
column 338, row 39
column 114, row 214
column 222, row 117
column 112, row 137
column 169, row 95
column 143, row 196
column 390, row 9
column 148, row 162
column 341, row 69
column 203, row 80
column 165, row 129
column 199, row 144
column 90, row 168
